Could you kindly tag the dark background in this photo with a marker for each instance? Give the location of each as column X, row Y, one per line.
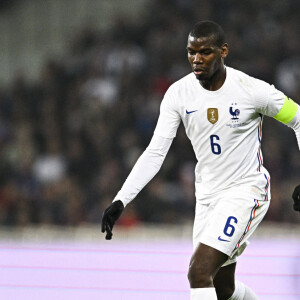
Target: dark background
column 69, row 138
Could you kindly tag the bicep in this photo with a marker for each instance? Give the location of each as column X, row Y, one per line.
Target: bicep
column 268, row 100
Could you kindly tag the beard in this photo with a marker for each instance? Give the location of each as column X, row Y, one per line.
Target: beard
column 202, row 77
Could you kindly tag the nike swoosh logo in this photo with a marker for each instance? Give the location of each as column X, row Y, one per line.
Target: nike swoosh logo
column 220, row 239
column 189, row 112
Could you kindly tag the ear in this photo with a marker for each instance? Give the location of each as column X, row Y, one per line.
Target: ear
column 224, row 50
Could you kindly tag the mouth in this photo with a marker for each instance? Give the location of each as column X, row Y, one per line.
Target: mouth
column 198, row 71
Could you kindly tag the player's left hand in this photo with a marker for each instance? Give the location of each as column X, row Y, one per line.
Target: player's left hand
column 296, row 198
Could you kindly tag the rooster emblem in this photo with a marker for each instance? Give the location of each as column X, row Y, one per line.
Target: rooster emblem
column 234, row 113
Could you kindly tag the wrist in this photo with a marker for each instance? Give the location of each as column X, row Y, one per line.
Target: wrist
column 117, row 199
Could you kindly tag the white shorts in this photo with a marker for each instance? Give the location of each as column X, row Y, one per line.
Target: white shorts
column 227, row 222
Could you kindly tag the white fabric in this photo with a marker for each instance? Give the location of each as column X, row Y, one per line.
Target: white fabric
column 240, row 102
column 295, row 124
column 228, row 151
column 145, row 168
column 204, row 293
column 242, row 292
column 227, row 222
column 239, row 291
column 249, row 294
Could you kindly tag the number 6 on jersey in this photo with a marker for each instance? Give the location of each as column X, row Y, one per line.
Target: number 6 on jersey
column 215, row 148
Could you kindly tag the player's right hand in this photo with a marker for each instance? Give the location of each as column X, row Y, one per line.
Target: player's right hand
column 110, row 216
column 296, row 198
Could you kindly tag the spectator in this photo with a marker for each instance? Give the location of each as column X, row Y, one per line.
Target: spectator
column 69, row 140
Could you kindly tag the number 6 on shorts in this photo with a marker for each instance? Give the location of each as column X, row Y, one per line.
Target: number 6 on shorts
column 229, row 228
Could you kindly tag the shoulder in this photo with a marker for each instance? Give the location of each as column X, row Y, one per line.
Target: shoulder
column 178, row 91
column 181, row 89
column 246, row 80
column 184, row 83
column 252, row 85
column 264, row 97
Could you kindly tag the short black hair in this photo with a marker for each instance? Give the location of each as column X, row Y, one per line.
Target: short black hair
column 209, row 29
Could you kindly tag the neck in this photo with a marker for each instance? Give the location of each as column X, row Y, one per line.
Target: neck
column 216, row 81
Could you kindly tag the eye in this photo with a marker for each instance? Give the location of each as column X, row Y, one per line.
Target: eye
column 207, row 52
column 191, row 52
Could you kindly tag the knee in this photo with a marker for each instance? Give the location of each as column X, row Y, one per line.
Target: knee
column 199, row 276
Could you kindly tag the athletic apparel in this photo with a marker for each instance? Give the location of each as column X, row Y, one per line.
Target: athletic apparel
column 145, row 169
column 239, row 291
column 203, row 293
column 295, row 124
column 224, row 127
column 227, row 222
column 243, row 292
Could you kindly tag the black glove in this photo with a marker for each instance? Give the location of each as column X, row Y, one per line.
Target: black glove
column 110, row 216
column 296, row 197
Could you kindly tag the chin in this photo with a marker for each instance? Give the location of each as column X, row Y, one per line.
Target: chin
column 202, row 77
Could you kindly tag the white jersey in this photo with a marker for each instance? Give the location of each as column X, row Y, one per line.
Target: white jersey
column 225, row 129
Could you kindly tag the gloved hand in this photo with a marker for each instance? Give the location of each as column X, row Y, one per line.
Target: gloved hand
column 296, row 197
column 110, row 216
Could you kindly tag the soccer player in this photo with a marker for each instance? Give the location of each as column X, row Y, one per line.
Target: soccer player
column 222, row 111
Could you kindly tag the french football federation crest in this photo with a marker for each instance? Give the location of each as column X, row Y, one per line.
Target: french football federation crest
column 212, row 115
column 234, row 113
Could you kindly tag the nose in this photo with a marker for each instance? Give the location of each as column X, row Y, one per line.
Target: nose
column 197, row 58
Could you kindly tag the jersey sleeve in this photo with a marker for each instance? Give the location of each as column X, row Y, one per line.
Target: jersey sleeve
column 287, row 112
column 295, row 124
column 145, row 169
column 152, row 158
column 268, row 99
column 274, row 103
column 169, row 118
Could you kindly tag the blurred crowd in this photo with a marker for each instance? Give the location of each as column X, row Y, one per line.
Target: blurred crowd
column 69, row 140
